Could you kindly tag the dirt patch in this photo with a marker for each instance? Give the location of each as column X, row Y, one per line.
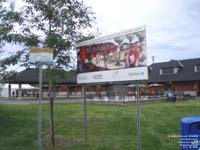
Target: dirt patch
column 60, row 141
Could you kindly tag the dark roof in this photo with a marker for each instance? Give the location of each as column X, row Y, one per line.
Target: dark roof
column 31, row 76
column 186, row 71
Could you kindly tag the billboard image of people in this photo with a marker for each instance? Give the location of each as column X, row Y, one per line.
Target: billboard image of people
column 121, row 52
column 117, row 57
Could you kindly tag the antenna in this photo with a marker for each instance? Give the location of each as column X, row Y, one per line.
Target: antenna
column 153, row 59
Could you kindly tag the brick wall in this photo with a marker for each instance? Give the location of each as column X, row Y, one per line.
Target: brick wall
column 187, row 86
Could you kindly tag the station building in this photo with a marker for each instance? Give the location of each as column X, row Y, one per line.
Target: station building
column 182, row 77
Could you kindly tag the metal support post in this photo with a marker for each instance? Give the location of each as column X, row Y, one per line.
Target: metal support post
column 40, row 110
column 138, row 118
column 85, row 114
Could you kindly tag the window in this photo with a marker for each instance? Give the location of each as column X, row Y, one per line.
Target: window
column 169, row 70
column 197, row 68
column 166, row 71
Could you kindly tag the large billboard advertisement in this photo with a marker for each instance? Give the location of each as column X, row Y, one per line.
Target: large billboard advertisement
column 117, row 57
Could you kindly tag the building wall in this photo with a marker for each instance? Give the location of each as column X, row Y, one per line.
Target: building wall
column 185, row 88
column 155, row 90
column 4, row 92
column 123, row 91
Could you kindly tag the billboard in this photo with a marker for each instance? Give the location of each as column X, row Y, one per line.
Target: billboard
column 117, row 57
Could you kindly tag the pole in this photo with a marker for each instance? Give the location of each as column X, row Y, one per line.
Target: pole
column 9, row 91
column 40, row 110
column 85, row 114
column 52, row 121
column 138, row 119
column 50, row 89
column 51, row 103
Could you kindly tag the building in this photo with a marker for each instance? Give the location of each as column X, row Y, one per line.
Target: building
column 64, row 82
column 179, row 76
column 12, row 90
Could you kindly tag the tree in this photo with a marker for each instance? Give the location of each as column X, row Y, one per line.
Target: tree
column 56, row 24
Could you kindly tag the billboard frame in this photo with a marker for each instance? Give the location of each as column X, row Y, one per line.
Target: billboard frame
column 132, row 72
column 99, row 40
column 111, row 36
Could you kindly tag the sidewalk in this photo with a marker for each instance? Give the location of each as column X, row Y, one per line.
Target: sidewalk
column 26, row 101
column 79, row 100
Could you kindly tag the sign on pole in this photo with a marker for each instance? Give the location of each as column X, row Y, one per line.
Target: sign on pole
column 116, row 57
column 41, row 55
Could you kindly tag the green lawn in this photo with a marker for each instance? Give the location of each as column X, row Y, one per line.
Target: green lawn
column 110, row 127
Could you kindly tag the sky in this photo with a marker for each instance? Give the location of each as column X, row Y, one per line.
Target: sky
column 172, row 26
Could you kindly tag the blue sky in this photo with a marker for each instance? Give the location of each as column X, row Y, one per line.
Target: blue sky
column 172, row 25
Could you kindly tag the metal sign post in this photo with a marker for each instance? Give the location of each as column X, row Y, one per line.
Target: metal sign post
column 85, row 114
column 40, row 110
column 138, row 118
column 40, row 56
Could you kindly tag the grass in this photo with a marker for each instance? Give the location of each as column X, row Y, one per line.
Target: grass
column 110, row 127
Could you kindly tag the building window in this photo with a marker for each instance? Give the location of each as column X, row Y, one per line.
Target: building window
column 197, row 68
column 166, row 71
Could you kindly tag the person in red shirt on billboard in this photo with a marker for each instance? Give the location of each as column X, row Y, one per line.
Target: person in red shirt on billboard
column 133, row 55
column 83, row 54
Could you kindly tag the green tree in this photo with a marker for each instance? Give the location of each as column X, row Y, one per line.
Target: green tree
column 57, row 24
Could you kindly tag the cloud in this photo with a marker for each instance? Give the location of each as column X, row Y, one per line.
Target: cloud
column 172, row 26
column 177, row 34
